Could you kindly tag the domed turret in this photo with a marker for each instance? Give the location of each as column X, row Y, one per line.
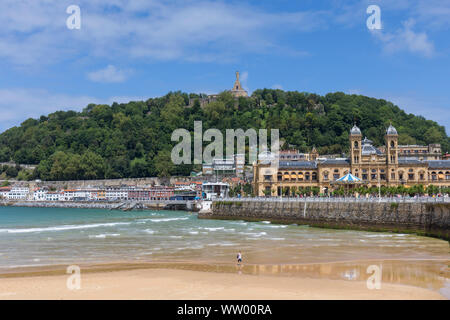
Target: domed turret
column 355, row 130
column 391, row 131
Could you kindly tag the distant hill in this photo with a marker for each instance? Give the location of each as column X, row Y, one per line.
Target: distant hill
column 133, row 139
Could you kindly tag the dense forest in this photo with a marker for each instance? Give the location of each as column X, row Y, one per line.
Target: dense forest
column 134, row 139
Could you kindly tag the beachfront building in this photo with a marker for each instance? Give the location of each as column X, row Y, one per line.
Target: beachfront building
column 117, row 193
column 4, row 191
column 213, row 190
column 18, row 193
column 54, row 196
column 39, row 194
column 374, row 166
column 153, row 193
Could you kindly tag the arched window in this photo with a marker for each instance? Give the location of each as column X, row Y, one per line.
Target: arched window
column 392, row 144
column 314, row 176
column 356, row 144
column 433, row 176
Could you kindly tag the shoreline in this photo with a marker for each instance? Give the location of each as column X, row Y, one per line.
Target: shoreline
column 180, row 281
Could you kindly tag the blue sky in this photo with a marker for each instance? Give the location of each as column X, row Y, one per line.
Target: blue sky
column 136, row 49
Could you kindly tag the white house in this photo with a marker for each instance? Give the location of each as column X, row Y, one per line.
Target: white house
column 39, row 194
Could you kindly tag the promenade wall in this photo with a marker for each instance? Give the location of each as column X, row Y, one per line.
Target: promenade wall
column 423, row 218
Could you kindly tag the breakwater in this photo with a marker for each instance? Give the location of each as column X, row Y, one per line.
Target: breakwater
column 423, row 218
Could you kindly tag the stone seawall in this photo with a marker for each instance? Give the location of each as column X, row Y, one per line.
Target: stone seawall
column 81, row 205
column 429, row 219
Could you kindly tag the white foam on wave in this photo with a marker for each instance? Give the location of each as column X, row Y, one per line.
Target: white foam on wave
column 378, row 235
column 259, row 234
column 104, row 235
column 278, row 226
column 149, row 231
column 212, row 229
column 193, row 232
column 162, row 219
column 277, row 239
column 64, row 227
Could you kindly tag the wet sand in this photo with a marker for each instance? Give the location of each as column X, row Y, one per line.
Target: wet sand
column 188, row 281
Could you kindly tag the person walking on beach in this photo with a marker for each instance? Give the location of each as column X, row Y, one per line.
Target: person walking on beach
column 239, row 258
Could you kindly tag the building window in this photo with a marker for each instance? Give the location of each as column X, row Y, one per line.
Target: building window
column 364, row 176
column 307, row 176
column 382, row 176
column 411, row 176
column 393, row 176
column 268, row 178
column 314, row 176
column 336, row 176
column 373, row 176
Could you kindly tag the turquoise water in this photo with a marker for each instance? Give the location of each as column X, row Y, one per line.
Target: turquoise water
column 47, row 236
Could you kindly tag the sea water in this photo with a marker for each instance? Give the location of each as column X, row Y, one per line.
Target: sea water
column 56, row 236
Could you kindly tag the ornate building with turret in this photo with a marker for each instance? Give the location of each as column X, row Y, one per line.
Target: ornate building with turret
column 384, row 166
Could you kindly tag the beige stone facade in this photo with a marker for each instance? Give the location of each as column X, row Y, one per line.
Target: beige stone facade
column 373, row 166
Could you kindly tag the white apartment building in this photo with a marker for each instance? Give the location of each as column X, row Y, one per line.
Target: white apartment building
column 117, row 193
column 18, row 193
column 54, row 196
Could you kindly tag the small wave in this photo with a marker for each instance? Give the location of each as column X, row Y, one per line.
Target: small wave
column 193, row 232
column 277, row 239
column 64, row 227
column 149, row 231
column 259, row 234
column 378, row 235
column 163, row 219
column 213, row 229
column 175, row 237
column 104, row 235
column 266, row 222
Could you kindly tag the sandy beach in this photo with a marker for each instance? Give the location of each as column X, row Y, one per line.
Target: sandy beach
column 175, row 284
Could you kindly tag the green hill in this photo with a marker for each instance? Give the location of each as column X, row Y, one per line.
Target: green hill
column 133, row 139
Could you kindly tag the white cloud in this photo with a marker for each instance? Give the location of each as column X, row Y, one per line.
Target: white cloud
column 34, row 31
column 277, row 86
column 110, row 74
column 405, row 39
column 18, row 104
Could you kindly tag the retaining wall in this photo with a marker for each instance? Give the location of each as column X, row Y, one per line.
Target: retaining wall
column 430, row 219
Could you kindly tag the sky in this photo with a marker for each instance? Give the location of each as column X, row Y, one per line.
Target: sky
column 136, row 49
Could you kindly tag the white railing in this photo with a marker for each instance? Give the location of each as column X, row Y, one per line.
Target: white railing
column 339, row 199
